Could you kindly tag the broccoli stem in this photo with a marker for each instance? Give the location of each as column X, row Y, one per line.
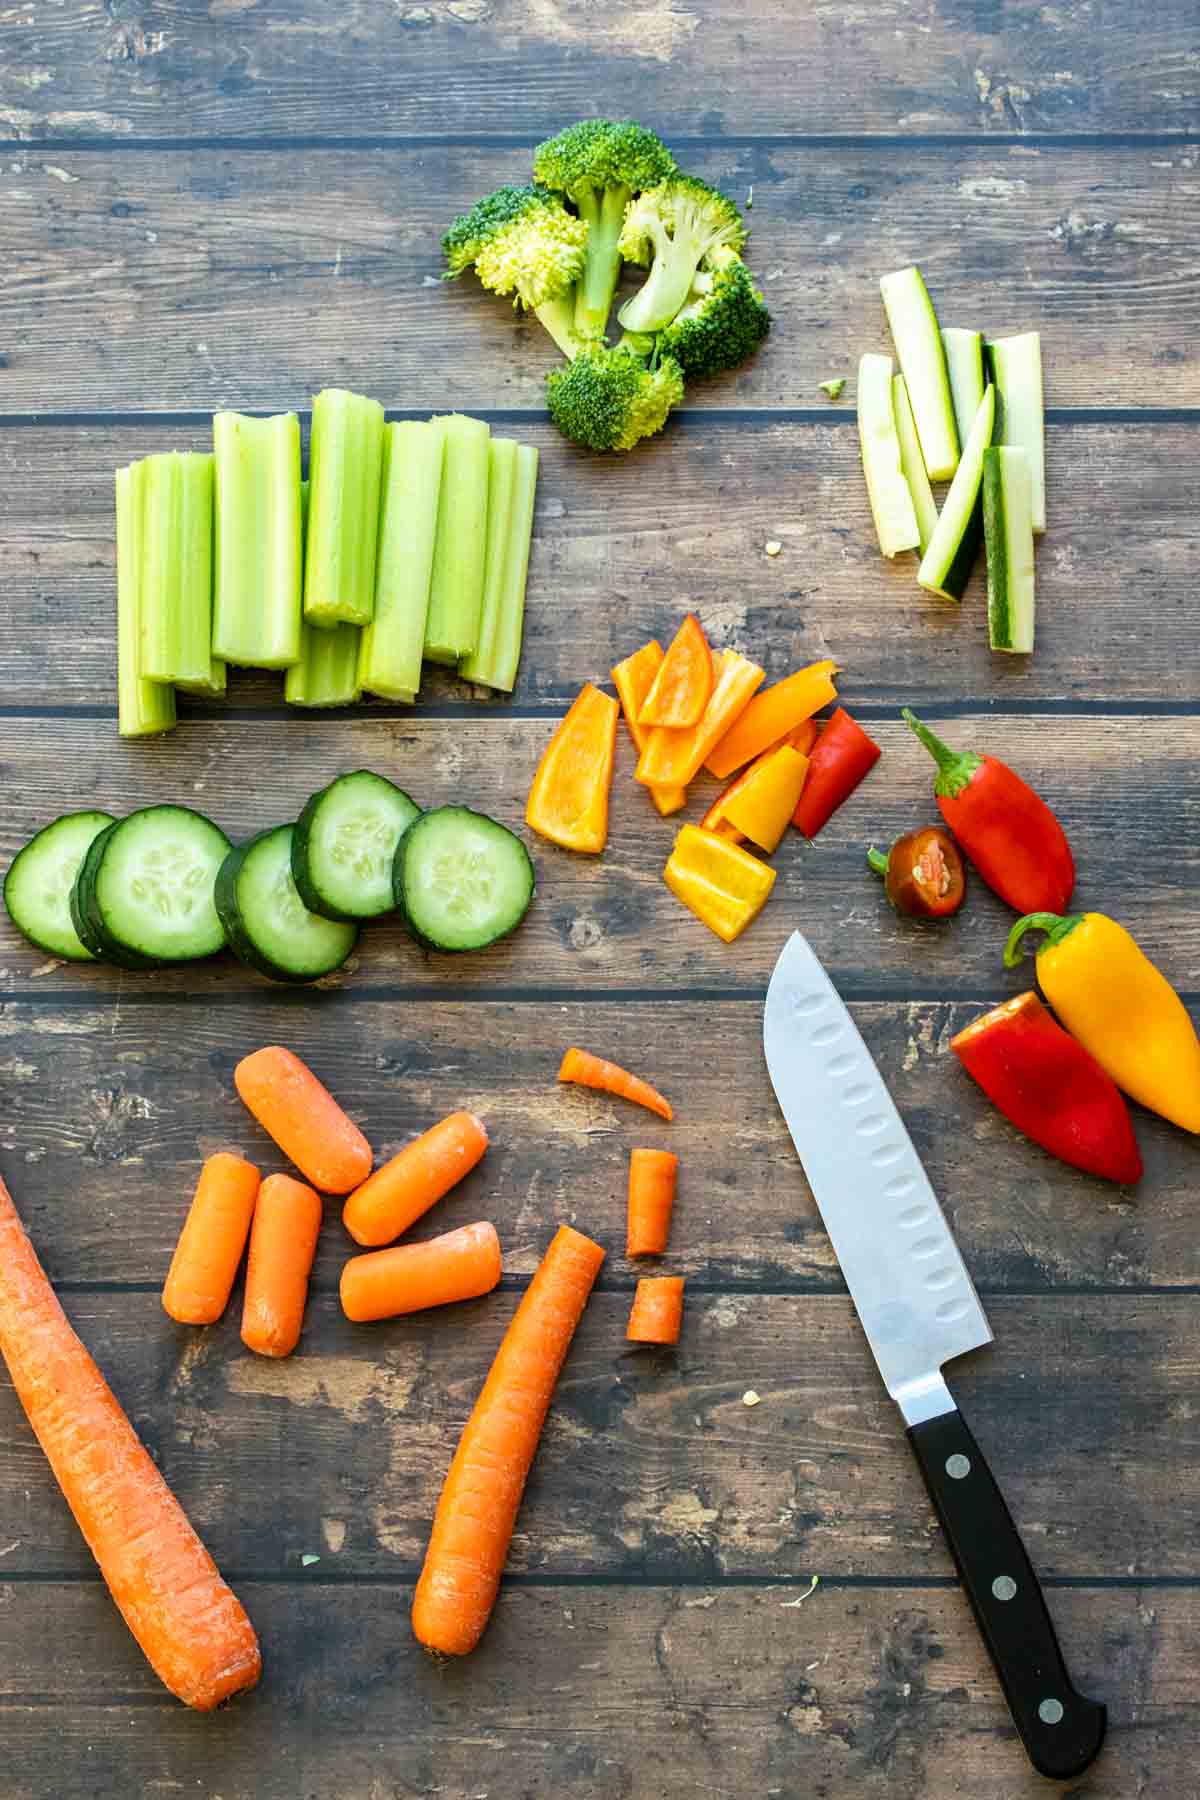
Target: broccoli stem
column 557, row 316
column 666, row 288
column 605, row 216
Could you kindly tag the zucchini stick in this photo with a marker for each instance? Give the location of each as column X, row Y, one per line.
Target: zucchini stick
column 1016, row 366
column 143, row 707
column 177, row 574
column 495, row 660
column 913, row 464
column 256, row 607
column 327, row 673
column 888, row 491
column 460, row 547
column 344, row 461
column 393, row 643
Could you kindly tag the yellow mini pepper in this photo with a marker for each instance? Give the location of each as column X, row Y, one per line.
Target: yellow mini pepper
column 568, row 802
column 723, row 885
column 760, row 803
column 1111, row 997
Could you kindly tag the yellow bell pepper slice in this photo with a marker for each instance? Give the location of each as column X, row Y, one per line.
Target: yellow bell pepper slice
column 762, row 807
column 633, row 680
column 722, row 884
column 672, row 758
column 568, row 802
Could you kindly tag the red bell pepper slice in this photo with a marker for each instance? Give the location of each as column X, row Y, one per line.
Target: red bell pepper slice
column 841, row 756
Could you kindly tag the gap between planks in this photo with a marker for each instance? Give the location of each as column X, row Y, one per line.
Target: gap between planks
column 517, row 1578
column 688, row 418
column 285, row 143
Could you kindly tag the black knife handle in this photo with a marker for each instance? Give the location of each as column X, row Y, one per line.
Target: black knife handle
column 1061, row 1729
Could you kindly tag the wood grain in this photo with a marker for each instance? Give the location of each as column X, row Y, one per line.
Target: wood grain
column 290, row 66
column 624, row 546
column 143, row 280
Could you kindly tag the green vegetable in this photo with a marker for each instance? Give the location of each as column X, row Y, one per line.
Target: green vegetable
column 891, row 500
column 599, row 165
column 1016, row 367
column 37, row 888
column 833, row 387
column 257, row 560
column 177, row 581
column 922, row 358
column 913, row 464
column 676, row 228
column 344, row 846
column 327, row 673
column 524, row 241
column 392, row 644
column 610, row 399
column 344, row 464
column 946, row 563
column 460, row 543
column 267, row 925
column 722, row 322
column 462, row 880
column 498, row 653
column 143, row 707
column 964, row 365
column 1008, row 530
column 145, row 888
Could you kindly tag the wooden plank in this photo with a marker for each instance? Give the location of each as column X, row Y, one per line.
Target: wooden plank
column 476, row 66
column 622, row 548
column 651, row 1466
column 653, row 1693
column 109, row 1109
column 144, row 279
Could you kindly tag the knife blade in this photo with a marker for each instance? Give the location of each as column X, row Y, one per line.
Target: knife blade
column 919, row 1310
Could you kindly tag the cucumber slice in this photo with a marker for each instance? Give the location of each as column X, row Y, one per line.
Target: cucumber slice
column 462, row 880
column 946, row 564
column 924, row 504
column 922, row 357
column 1016, row 369
column 891, row 500
column 267, row 924
column 37, row 888
column 344, row 846
column 144, row 893
column 1008, row 529
column 964, row 364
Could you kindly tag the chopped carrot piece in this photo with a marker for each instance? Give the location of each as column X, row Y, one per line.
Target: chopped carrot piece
column 200, row 1279
column 771, row 715
column 396, row 1195
column 459, row 1265
column 651, row 1201
column 283, row 1242
column 586, row 1070
column 304, row 1119
column 679, row 692
column 568, row 802
column 632, row 680
column 657, row 1312
column 672, row 758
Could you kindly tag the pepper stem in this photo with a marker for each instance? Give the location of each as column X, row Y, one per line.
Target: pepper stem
column 955, row 767
column 1055, row 925
column 877, row 860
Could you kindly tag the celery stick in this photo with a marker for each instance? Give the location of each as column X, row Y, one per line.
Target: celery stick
column 256, row 608
column 344, row 461
column 495, row 660
column 327, row 673
column 393, row 642
column 176, row 591
column 143, row 707
column 460, row 548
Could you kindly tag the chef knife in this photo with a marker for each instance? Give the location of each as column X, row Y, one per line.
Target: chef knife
column 919, row 1309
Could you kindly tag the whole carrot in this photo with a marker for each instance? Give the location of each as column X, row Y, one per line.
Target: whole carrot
column 459, row 1265
column 657, row 1312
column 201, row 1276
column 189, row 1624
column 473, row 1525
column 396, row 1195
column 651, row 1199
column 304, row 1119
column 592, row 1071
column 283, row 1242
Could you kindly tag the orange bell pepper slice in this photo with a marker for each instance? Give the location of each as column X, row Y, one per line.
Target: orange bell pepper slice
column 632, row 680
column 772, row 715
column 568, row 802
column 673, row 758
column 804, row 737
column 680, row 690
column 722, row 884
column 759, row 804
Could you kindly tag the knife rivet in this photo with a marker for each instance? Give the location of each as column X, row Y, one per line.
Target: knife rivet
column 1004, row 1587
column 1050, row 1712
column 958, row 1467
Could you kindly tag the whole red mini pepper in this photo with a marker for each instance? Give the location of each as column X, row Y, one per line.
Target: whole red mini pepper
column 1051, row 1088
column 1007, row 831
column 840, row 758
column 922, row 873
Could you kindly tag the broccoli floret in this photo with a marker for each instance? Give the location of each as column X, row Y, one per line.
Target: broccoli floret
column 600, row 164
column 723, row 321
column 523, row 241
column 676, row 227
column 608, row 399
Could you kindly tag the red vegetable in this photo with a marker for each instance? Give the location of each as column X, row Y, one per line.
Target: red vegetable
column 922, row 873
column 1007, row 831
column 841, row 756
column 1051, row 1088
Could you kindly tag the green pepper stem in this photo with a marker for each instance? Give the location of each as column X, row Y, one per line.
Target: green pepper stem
column 1055, row 925
column 877, row 860
column 955, row 767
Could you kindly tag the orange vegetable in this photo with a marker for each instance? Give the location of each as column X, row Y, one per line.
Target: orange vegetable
column 190, row 1626
column 761, row 802
column 771, row 715
column 657, row 1312
column 651, row 1199
column 672, row 758
column 679, row 692
column 632, row 679
column 304, row 1119
column 283, row 1242
column 582, row 1067
column 396, row 1195
column 804, row 737
column 210, row 1245
column 568, row 802
column 721, row 883
column 460, row 1265
column 473, row 1525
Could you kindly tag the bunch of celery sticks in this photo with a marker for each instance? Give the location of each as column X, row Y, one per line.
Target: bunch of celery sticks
column 408, row 542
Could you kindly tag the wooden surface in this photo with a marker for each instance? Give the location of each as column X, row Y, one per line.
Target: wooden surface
column 237, row 202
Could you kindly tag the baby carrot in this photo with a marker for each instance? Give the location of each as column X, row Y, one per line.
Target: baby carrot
column 657, row 1311
column 190, row 1626
column 396, row 1195
column 283, row 1242
column 651, row 1197
column 210, row 1245
column 304, row 1119
column 592, row 1071
column 459, row 1265
column 473, row 1525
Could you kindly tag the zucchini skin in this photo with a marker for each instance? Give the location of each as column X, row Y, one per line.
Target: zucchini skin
column 225, row 898
column 88, row 919
column 421, row 937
